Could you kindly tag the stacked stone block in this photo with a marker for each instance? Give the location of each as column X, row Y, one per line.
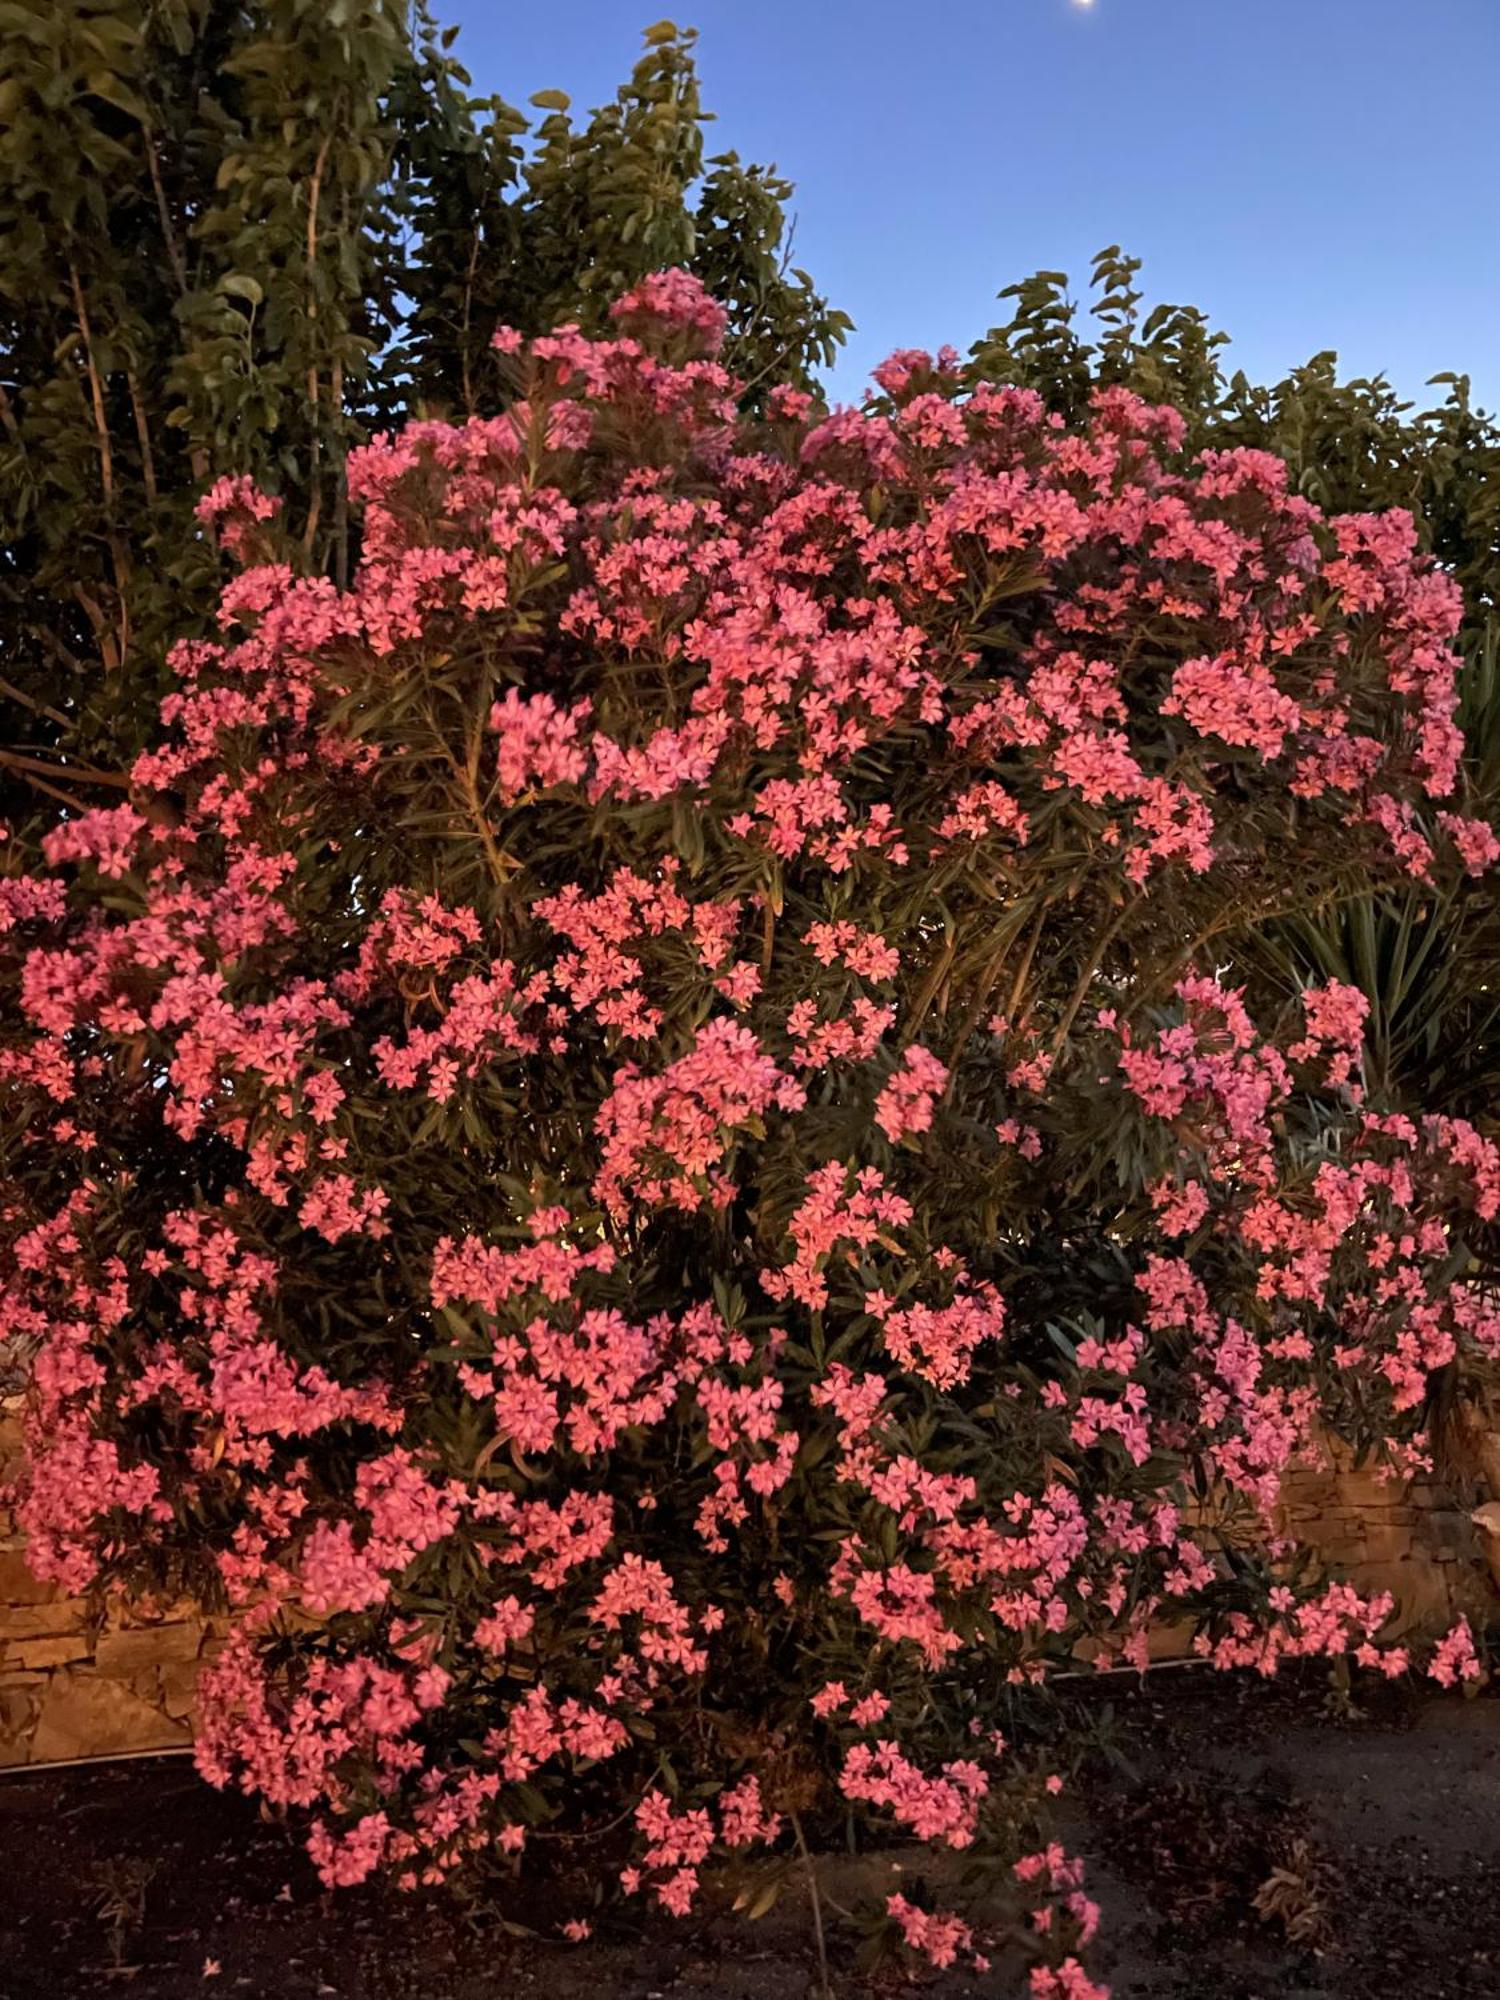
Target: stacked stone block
column 78, row 1679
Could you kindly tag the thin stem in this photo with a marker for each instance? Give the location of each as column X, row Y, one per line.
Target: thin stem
column 37, row 707
column 1086, row 977
column 930, row 985
column 341, row 492
column 315, row 450
column 824, row 1988
column 986, row 983
column 15, row 760
column 463, row 341
column 143, row 433
column 197, row 456
column 118, row 554
column 96, row 390
column 1023, row 971
column 593, row 1833
column 8, row 417
column 104, row 639
column 466, row 777
column 169, row 235
column 58, row 650
column 51, row 791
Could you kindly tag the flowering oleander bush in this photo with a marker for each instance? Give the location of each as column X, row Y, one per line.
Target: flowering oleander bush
column 635, row 1151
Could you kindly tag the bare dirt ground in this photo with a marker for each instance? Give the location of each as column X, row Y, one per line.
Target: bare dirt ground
column 1245, row 1845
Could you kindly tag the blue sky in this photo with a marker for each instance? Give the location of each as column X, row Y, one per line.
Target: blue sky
column 1313, row 173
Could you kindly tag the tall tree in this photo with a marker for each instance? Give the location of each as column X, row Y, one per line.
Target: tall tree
column 185, row 193
column 235, row 237
column 538, row 228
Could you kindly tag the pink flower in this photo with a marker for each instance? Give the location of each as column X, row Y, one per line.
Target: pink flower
column 905, row 1105
column 1455, row 1659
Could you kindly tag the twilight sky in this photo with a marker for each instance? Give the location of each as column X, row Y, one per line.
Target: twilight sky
column 1313, row 173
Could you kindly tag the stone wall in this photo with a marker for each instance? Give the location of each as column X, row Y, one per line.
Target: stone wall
column 77, row 1680
column 80, row 1681
column 1415, row 1540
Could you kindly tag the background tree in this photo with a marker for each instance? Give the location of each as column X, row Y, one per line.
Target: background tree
column 535, row 229
column 238, row 235
column 185, row 198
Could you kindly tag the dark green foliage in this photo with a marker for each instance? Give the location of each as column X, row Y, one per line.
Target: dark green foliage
column 184, row 197
column 537, row 229
column 236, row 236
